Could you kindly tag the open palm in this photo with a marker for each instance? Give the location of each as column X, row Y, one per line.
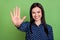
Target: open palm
column 15, row 15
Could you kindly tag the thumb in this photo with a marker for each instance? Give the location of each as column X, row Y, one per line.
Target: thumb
column 24, row 18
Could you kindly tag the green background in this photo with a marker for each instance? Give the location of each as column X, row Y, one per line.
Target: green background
column 9, row 32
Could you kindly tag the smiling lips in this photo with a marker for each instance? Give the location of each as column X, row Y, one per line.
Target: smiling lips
column 36, row 17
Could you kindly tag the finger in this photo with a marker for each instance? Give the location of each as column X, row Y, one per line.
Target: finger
column 18, row 14
column 24, row 18
column 11, row 14
column 14, row 12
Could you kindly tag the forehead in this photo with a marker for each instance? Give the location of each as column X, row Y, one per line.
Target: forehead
column 36, row 9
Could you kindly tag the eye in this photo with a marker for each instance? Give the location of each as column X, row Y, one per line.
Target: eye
column 38, row 11
column 33, row 12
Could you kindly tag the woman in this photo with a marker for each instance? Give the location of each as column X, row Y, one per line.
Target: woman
column 36, row 29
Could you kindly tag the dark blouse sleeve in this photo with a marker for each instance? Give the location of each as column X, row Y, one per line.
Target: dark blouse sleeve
column 50, row 33
column 24, row 27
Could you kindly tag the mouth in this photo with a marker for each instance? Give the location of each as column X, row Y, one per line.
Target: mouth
column 36, row 17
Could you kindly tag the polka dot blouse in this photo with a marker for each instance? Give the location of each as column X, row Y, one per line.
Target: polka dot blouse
column 38, row 32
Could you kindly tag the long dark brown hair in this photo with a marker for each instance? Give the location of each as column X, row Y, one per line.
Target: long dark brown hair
column 42, row 19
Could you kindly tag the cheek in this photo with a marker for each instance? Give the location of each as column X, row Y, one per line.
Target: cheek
column 40, row 15
column 33, row 15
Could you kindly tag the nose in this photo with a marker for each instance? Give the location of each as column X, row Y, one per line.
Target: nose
column 36, row 14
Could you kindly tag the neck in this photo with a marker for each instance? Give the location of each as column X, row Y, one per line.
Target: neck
column 38, row 22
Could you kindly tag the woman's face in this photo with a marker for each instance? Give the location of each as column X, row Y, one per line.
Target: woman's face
column 36, row 13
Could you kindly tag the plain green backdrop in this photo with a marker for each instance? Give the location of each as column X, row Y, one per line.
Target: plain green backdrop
column 9, row 32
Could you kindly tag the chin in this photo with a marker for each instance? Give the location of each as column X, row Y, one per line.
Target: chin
column 37, row 19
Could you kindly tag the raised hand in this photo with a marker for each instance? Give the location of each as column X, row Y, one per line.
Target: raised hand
column 15, row 15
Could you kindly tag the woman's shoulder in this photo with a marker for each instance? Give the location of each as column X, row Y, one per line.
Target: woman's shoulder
column 49, row 27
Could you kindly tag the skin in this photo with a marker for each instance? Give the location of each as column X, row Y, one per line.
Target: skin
column 37, row 14
column 17, row 20
column 15, row 16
